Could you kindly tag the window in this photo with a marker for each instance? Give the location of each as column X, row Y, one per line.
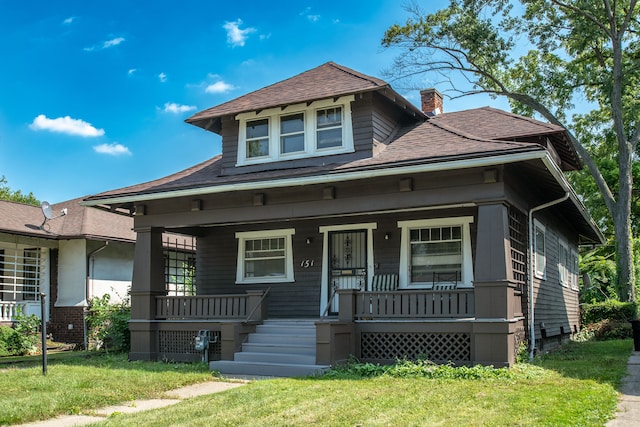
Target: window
column 564, row 265
column 575, row 271
column 539, row 250
column 265, row 256
column 296, row 131
column 258, row 138
column 329, row 128
column 292, row 133
column 436, row 251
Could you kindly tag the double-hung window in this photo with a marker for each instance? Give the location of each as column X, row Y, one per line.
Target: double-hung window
column 540, row 260
column 564, row 265
column 329, row 128
column 265, row 256
column 292, row 133
column 436, row 252
column 319, row 128
column 257, row 138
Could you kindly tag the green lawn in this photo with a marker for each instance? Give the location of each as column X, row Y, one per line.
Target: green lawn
column 573, row 387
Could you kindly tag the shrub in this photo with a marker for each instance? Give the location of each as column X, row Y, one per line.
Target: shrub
column 108, row 324
column 606, row 330
column 608, row 310
column 8, row 340
column 28, row 331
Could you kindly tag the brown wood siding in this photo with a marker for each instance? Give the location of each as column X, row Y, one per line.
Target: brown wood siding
column 217, row 257
column 556, row 306
column 372, row 117
column 230, row 129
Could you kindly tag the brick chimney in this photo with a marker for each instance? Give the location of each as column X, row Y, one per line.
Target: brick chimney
column 431, row 101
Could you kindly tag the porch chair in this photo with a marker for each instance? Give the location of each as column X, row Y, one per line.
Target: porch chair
column 445, row 281
column 384, row 282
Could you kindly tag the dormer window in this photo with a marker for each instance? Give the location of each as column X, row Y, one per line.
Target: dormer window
column 313, row 129
column 258, row 138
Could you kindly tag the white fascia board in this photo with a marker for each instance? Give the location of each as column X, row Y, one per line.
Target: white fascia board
column 328, row 178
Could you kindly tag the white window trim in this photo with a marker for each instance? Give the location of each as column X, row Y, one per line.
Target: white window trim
column 540, row 273
column 564, row 266
column 310, row 148
column 264, row 234
column 467, row 261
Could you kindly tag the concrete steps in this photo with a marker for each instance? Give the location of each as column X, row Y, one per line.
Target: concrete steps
column 279, row 348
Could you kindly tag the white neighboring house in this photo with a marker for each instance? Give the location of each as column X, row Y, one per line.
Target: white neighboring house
column 72, row 258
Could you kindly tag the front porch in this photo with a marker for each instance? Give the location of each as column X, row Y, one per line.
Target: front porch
column 379, row 327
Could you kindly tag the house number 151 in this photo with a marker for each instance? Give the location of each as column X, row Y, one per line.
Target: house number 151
column 306, row 263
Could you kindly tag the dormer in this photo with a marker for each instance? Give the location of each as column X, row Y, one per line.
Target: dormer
column 328, row 115
column 310, row 129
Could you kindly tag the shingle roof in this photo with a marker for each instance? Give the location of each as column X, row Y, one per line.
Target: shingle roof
column 329, row 80
column 80, row 221
column 422, row 143
column 491, row 123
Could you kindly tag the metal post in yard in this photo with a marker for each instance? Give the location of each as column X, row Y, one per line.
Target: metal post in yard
column 43, row 305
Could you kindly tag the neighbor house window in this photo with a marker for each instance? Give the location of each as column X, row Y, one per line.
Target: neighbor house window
column 436, row 252
column 265, row 256
column 319, row 128
column 539, row 261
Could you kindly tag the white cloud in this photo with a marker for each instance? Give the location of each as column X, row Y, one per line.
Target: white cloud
column 236, row 36
column 106, row 45
column 69, row 20
column 131, row 72
column 310, row 16
column 219, row 87
column 112, row 42
column 172, row 107
column 162, row 77
column 66, row 125
column 114, row 149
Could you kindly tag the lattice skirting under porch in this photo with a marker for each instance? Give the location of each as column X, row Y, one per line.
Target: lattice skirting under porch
column 180, row 345
column 441, row 347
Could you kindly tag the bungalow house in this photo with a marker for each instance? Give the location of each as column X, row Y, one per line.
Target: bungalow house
column 71, row 258
column 341, row 220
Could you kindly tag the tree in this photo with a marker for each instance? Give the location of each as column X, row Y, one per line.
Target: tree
column 16, row 196
column 572, row 50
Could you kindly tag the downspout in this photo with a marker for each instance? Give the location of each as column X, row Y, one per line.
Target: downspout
column 532, row 325
column 86, row 292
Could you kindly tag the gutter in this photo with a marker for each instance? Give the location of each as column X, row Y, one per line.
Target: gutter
column 532, row 327
column 90, row 256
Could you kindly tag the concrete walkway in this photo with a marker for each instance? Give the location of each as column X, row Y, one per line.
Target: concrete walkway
column 628, row 414
column 171, row 398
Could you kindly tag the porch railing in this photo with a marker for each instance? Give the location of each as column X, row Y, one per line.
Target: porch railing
column 8, row 310
column 202, row 307
column 415, row 304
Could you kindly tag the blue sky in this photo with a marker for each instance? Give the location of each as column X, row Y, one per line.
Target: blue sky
column 93, row 95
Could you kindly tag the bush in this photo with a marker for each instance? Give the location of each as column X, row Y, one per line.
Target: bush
column 108, row 324
column 606, row 330
column 8, row 341
column 22, row 338
column 608, row 310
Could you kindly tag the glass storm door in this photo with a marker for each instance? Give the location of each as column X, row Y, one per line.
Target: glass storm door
column 348, row 263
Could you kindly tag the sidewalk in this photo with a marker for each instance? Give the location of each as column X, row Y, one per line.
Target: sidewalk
column 628, row 414
column 172, row 397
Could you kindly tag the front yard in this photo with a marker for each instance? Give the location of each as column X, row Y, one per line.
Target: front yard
column 575, row 386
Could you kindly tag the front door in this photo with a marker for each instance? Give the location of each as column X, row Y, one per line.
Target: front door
column 347, row 263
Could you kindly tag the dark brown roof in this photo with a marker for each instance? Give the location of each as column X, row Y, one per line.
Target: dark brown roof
column 80, row 221
column 329, row 80
column 491, row 123
column 422, row 143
